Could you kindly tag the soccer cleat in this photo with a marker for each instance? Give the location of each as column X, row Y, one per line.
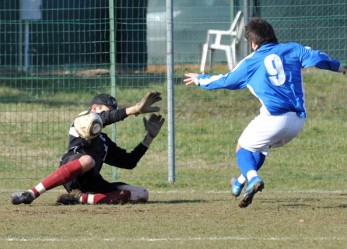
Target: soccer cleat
column 236, row 187
column 26, row 197
column 254, row 186
column 71, row 198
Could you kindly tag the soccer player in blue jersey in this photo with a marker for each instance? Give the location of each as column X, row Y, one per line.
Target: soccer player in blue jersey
column 273, row 74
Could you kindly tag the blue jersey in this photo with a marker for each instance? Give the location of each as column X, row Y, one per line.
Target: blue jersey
column 273, row 74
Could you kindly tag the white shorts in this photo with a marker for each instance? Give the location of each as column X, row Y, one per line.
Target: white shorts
column 266, row 131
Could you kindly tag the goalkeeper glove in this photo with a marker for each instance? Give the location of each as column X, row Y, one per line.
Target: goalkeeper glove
column 152, row 126
column 145, row 105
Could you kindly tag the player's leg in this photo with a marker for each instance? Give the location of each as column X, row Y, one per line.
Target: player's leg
column 94, row 189
column 239, row 182
column 111, row 192
column 123, row 194
column 252, row 147
column 259, row 159
column 63, row 174
column 115, row 193
column 245, row 163
column 248, row 166
column 257, row 137
column 249, row 162
column 262, row 133
column 138, row 194
column 113, row 197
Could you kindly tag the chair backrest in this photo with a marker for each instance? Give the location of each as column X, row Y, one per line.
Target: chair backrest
column 237, row 26
column 236, row 20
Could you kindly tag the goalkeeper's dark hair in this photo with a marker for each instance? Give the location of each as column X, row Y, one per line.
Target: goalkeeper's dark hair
column 105, row 99
column 260, row 31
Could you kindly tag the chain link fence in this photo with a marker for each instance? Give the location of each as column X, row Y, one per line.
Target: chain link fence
column 55, row 56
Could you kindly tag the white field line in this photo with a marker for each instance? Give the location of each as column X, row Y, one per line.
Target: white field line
column 38, row 239
column 269, row 191
column 207, row 191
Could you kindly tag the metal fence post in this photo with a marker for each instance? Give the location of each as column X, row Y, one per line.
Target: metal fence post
column 170, row 90
column 113, row 71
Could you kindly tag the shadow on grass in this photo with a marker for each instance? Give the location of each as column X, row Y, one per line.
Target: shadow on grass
column 337, row 206
column 177, row 202
column 306, row 202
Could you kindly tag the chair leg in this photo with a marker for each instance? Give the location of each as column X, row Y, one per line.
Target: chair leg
column 233, row 54
column 229, row 58
column 203, row 57
column 211, row 58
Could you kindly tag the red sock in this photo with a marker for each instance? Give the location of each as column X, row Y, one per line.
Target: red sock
column 64, row 174
column 114, row 197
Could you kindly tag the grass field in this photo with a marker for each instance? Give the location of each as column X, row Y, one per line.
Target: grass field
column 303, row 205
column 181, row 219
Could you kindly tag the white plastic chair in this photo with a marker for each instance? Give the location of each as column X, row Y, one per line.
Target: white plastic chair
column 214, row 39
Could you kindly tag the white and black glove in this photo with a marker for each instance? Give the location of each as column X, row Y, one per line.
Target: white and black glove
column 152, row 126
column 145, row 105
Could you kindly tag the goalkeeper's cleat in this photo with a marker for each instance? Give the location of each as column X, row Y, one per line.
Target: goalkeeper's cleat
column 26, row 197
column 71, row 198
column 236, row 187
column 255, row 185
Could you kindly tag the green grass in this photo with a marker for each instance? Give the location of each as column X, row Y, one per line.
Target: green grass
column 303, row 204
column 181, row 219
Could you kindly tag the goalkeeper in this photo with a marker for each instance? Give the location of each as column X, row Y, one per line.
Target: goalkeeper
column 80, row 166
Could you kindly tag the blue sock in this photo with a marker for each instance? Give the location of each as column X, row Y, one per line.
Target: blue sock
column 246, row 161
column 259, row 158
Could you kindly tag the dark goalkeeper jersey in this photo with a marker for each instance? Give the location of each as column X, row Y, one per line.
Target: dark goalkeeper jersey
column 102, row 148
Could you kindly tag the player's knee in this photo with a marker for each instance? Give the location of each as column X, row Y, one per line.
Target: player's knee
column 138, row 194
column 238, row 147
column 142, row 195
column 87, row 163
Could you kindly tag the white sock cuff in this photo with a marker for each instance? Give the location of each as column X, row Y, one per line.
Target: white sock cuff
column 241, row 179
column 40, row 188
column 251, row 174
column 90, row 199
